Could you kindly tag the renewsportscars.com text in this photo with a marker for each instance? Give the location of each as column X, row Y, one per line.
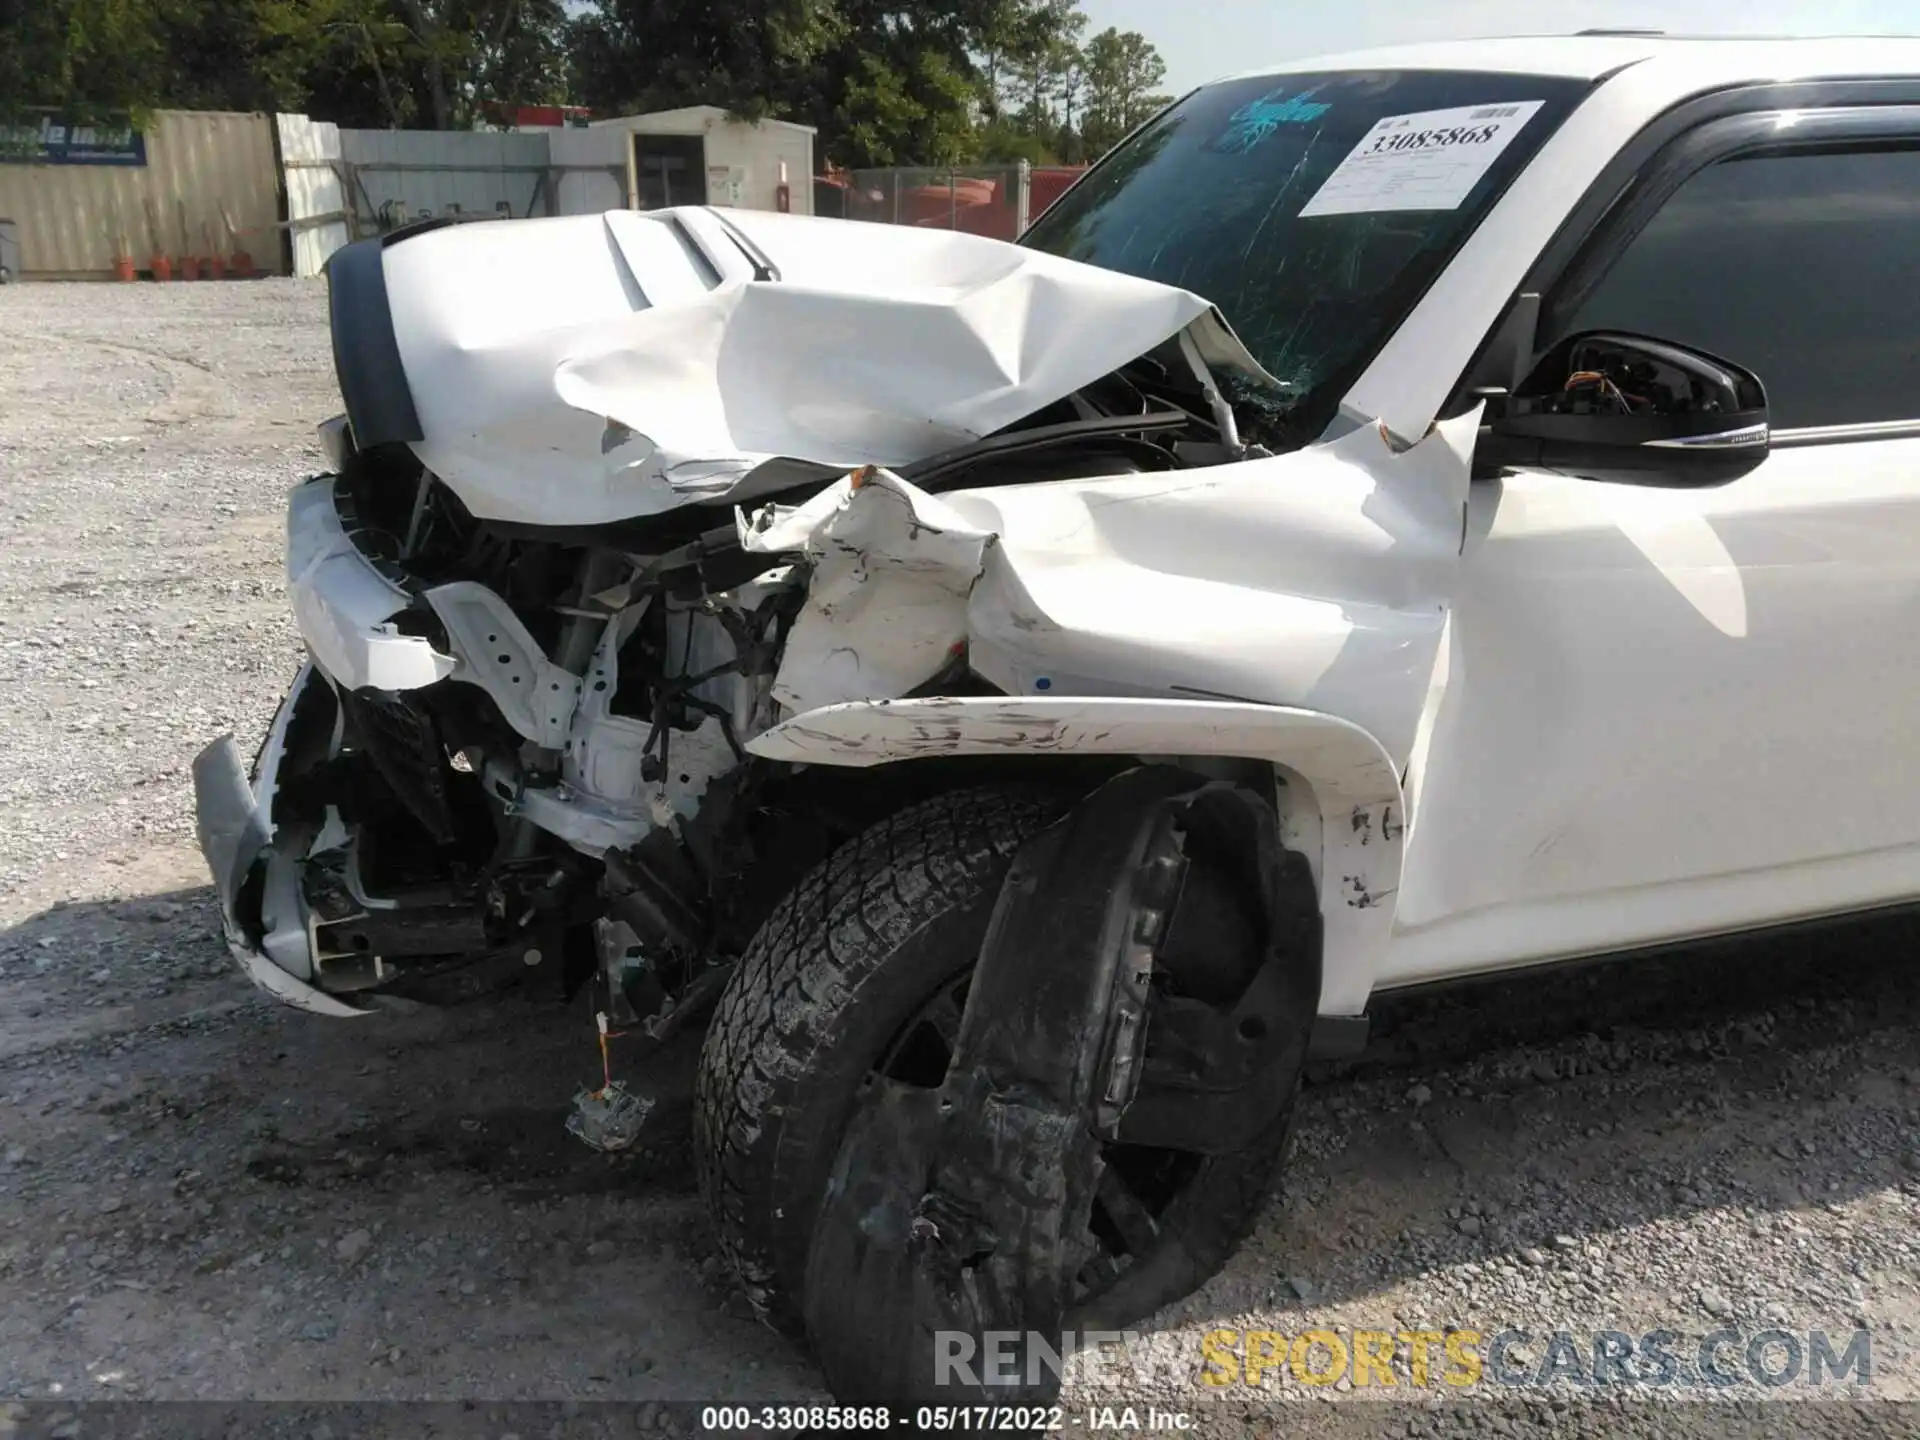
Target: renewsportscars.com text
column 1414, row 1360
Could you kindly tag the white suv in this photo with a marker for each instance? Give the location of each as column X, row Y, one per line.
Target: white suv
column 1398, row 517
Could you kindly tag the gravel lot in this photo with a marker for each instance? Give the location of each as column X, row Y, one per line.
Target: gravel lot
column 204, row 1196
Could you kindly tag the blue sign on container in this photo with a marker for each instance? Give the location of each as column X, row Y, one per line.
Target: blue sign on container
column 55, row 140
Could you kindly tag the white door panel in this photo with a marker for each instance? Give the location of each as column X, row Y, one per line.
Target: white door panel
column 1672, row 712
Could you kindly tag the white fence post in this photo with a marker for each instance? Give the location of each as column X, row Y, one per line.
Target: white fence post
column 1023, row 199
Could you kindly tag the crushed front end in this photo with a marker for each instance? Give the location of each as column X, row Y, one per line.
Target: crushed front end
column 551, row 591
column 483, row 721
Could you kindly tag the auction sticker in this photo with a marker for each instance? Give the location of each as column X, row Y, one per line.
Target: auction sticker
column 1428, row 161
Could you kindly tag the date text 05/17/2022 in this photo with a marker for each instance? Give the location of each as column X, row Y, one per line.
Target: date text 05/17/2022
column 1018, row 1419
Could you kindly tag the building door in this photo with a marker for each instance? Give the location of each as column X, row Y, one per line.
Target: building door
column 669, row 170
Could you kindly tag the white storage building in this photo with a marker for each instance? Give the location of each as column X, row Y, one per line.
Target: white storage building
column 692, row 156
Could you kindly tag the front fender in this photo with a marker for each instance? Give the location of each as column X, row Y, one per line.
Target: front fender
column 1342, row 805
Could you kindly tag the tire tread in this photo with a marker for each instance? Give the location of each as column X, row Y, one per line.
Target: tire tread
column 798, row 977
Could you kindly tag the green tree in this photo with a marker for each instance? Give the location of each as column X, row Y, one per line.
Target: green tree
column 468, row 52
column 924, row 55
column 1123, row 72
column 747, row 55
column 366, row 62
column 1048, row 50
column 886, row 81
column 914, row 116
column 1047, row 95
column 85, row 57
column 1072, row 89
column 1004, row 36
column 347, row 61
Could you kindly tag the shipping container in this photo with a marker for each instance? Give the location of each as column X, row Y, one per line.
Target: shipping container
column 195, row 170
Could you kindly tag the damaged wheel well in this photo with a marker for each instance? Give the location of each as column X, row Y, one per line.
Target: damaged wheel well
column 1337, row 789
column 806, row 812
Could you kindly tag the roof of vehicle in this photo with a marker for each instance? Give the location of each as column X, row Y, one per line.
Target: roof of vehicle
column 1694, row 61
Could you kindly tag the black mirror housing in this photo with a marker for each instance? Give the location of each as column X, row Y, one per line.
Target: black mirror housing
column 1633, row 410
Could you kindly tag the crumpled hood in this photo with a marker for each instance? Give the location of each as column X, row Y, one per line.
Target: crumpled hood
column 594, row 368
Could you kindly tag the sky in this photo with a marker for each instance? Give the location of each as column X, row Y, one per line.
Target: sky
column 1203, row 39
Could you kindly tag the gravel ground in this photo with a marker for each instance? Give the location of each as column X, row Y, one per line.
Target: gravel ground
column 204, row 1196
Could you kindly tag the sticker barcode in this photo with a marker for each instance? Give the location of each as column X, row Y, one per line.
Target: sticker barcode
column 1496, row 112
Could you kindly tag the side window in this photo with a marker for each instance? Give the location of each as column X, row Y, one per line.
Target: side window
column 1804, row 268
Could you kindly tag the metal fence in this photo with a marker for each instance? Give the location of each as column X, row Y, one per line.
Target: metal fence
column 998, row 201
column 344, row 185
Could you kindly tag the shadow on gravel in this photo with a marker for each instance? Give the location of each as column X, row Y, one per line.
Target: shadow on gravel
column 209, row 1195
column 1871, row 963
column 504, row 1126
column 1484, row 1122
column 109, row 967
column 479, row 1091
column 482, row 1090
column 1511, row 1121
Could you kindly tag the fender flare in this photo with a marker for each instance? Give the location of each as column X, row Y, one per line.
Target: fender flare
column 1342, row 805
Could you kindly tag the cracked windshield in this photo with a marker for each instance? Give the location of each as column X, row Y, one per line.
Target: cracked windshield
column 1313, row 209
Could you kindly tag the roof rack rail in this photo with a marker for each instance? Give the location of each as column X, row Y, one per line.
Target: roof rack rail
column 1619, row 32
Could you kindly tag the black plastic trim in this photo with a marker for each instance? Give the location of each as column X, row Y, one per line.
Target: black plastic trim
column 763, row 268
column 928, row 472
column 366, row 357
column 421, row 227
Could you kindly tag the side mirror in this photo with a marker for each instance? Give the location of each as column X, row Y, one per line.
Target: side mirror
column 1633, row 410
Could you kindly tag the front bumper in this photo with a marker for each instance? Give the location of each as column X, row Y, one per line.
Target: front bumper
column 345, row 607
column 261, row 909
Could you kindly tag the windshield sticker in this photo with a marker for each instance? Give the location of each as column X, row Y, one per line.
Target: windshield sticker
column 1259, row 120
column 1428, row 161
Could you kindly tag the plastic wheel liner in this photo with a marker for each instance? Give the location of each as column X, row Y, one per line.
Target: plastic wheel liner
column 964, row 1211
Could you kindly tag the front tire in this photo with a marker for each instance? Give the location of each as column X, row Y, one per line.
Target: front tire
column 839, row 967
column 862, row 968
